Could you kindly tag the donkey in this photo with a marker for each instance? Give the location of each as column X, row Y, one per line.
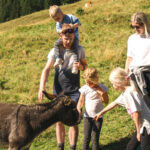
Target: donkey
column 20, row 124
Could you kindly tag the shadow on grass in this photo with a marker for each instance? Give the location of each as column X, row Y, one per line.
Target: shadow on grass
column 116, row 145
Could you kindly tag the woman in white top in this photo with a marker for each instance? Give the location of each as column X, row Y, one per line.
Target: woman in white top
column 138, row 54
column 136, row 107
column 93, row 94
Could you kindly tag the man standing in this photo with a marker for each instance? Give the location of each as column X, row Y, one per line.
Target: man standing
column 64, row 80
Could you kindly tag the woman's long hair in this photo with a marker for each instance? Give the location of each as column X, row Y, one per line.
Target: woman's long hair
column 141, row 19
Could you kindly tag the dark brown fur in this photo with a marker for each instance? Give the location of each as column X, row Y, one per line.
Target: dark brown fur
column 20, row 124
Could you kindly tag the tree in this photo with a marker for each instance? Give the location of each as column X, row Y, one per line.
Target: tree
column 10, row 9
column 25, row 7
column 48, row 3
column 15, row 9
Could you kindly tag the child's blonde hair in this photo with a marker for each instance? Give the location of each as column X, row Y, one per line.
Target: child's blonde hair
column 119, row 77
column 54, row 10
column 91, row 75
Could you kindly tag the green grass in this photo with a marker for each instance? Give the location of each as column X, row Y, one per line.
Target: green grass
column 26, row 41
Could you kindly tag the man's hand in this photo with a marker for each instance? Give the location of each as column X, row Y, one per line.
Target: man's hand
column 40, row 95
column 78, row 65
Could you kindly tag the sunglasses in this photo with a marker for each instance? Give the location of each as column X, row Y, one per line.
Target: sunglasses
column 136, row 27
column 68, row 31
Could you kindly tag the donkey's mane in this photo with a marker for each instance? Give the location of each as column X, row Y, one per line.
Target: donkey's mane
column 45, row 106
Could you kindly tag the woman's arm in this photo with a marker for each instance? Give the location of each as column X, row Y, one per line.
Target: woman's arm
column 109, row 107
column 128, row 61
column 80, row 103
column 136, row 117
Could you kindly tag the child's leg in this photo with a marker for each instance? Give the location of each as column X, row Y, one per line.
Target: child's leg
column 56, row 47
column 56, row 51
column 97, row 125
column 87, row 133
column 74, row 69
column 74, row 50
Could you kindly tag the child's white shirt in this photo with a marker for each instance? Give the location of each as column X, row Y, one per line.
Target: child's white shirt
column 133, row 102
column 93, row 104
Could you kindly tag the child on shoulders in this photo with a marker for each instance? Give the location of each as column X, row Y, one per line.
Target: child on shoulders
column 56, row 13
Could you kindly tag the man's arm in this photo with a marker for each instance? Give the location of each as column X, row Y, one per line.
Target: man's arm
column 82, row 65
column 128, row 61
column 44, row 77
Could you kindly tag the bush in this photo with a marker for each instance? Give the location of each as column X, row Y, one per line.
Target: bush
column 80, row 11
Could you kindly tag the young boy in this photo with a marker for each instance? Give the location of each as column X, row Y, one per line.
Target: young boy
column 56, row 13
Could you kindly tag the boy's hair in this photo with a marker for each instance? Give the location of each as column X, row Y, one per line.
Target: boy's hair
column 91, row 75
column 141, row 19
column 54, row 10
column 119, row 77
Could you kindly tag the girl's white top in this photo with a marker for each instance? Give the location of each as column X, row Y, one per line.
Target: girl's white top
column 133, row 102
column 139, row 50
column 93, row 104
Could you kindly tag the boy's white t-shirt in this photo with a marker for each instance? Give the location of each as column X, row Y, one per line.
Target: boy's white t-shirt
column 139, row 50
column 93, row 104
column 133, row 102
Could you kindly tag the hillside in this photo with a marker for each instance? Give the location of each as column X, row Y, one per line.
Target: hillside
column 26, row 41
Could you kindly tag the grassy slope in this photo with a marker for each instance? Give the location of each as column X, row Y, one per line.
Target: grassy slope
column 25, row 43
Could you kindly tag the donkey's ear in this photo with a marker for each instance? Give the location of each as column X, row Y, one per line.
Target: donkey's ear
column 49, row 96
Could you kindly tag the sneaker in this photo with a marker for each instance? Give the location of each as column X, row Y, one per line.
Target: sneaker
column 58, row 62
column 74, row 70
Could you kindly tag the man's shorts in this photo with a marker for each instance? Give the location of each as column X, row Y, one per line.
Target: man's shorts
column 74, row 96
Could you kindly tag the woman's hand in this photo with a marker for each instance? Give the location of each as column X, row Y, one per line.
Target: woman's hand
column 79, row 110
column 138, row 137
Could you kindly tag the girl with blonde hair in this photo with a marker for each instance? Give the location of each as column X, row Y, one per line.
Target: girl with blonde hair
column 93, row 94
column 136, row 107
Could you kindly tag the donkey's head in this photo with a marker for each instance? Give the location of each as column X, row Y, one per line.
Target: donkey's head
column 68, row 111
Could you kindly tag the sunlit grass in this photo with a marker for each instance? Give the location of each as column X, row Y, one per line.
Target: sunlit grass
column 25, row 43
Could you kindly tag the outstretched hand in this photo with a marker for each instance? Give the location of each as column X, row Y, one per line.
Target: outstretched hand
column 97, row 116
